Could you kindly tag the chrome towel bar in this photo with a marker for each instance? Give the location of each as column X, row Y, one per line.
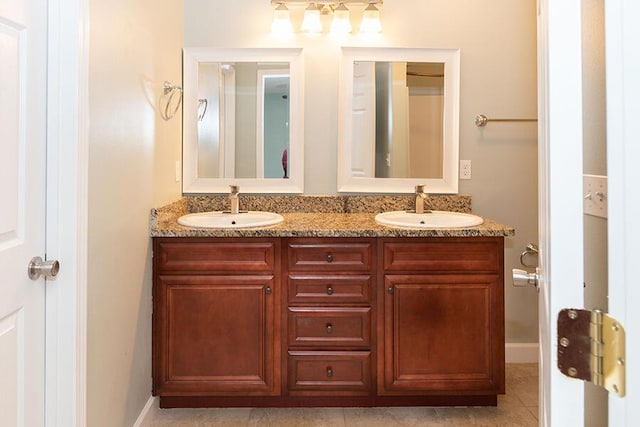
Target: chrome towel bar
column 481, row 120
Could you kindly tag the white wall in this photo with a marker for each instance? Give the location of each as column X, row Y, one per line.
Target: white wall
column 134, row 47
column 497, row 39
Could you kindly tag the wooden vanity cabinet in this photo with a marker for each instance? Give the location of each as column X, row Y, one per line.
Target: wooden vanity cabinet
column 216, row 318
column 442, row 309
column 328, row 321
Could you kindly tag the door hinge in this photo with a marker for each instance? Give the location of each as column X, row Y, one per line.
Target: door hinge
column 591, row 347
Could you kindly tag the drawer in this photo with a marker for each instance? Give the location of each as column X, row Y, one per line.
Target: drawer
column 327, row 288
column 444, row 255
column 241, row 257
column 330, row 256
column 329, row 370
column 334, row 327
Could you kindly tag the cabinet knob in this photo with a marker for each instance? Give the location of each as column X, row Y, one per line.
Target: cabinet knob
column 329, row 258
column 329, row 372
column 268, row 291
column 329, row 328
column 329, row 290
column 390, row 290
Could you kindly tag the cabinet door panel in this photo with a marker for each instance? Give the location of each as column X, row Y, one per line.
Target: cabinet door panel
column 443, row 333
column 216, row 334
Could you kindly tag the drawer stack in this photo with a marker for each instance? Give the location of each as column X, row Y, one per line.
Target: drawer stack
column 329, row 316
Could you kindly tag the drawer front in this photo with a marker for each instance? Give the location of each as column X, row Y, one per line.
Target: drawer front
column 444, row 255
column 330, row 256
column 332, row 289
column 241, row 257
column 329, row 370
column 335, row 327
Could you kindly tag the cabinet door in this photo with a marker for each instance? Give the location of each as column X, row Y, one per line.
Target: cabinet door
column 443, row 334
column 214, row 335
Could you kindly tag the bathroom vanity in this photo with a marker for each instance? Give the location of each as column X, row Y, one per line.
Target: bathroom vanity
column 328, row 309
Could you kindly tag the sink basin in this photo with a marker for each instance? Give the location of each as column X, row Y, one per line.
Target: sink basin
column 228, row 220
column 433, row 219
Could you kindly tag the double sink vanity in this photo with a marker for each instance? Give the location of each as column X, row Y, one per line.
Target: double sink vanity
column 339, row 300
column 327, row 307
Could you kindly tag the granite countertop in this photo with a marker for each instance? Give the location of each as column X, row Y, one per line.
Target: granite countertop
column 319, row 216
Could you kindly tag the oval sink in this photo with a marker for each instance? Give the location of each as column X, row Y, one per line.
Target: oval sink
column 432, row 219
column 228, row 220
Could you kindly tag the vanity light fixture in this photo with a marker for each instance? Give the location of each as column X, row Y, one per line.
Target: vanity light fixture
column 371, row 20
column 281, row 20
column 311, row 22
column 340, row 21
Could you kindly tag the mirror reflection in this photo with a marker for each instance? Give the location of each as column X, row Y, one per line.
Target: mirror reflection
column 399, row 119
column 243, row 119
column 400, row 105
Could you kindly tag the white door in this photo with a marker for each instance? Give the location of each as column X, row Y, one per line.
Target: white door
column 23, row 100
column 623, row 150
column 561, row 212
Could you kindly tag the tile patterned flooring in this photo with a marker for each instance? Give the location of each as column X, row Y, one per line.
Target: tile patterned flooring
column 517, row 408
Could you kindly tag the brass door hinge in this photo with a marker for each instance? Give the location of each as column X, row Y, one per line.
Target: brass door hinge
column 591, row 347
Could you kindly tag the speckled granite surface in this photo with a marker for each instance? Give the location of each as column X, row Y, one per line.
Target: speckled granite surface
column 319, row 216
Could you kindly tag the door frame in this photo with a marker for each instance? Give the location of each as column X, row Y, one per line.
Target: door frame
column 560, row 215
column 67, row 202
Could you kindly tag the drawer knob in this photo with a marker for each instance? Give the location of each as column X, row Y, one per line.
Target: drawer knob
column 268, row 291
column 329, row 290
column 329, row 372
column 329, row 328
column 329, row 258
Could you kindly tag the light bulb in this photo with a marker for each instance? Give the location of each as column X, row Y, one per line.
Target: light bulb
column 341, row 23
column 311, row 22
column 371, row 20
column 281, row 20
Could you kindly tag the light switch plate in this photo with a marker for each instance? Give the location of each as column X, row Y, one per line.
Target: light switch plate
column 595, row 195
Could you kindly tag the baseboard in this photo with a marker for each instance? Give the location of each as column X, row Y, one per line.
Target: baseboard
column 145, row 417
column 521, row 352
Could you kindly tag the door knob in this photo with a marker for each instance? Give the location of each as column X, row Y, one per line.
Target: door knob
column 523, row 279
column 37, row 267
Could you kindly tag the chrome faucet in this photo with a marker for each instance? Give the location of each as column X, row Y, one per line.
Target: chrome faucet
column 233, row 198
column 421, row 196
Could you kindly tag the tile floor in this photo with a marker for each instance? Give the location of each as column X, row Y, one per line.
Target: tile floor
column 517, row 408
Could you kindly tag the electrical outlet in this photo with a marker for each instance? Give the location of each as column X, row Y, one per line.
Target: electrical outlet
column 465, row 169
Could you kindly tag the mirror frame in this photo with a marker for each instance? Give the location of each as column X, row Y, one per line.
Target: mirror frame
column 448, row 184
column 191, row 183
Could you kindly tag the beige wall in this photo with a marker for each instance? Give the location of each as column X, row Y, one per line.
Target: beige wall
column 497, row 40
column 134, row 47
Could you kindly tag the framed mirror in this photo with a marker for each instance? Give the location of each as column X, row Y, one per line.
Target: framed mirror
column 243, row 120
column 398, row 120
